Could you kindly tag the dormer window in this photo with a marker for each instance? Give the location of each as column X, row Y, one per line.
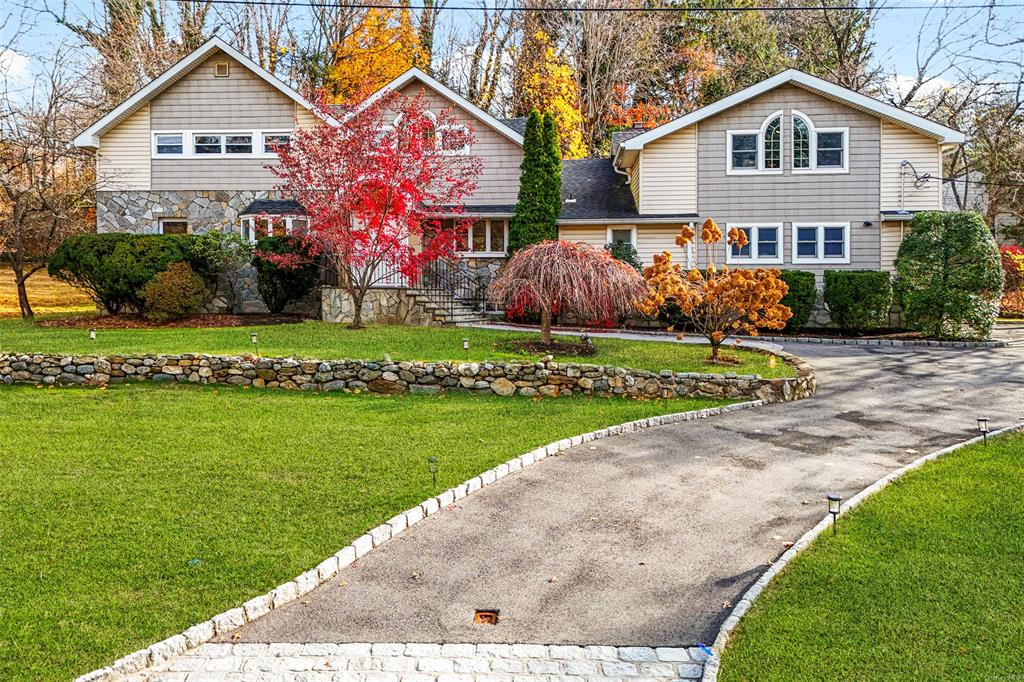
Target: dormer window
column 756, row 151
column 820, row 150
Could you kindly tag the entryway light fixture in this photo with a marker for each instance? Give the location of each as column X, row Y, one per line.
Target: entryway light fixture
column 835, row 503
column 983, row 428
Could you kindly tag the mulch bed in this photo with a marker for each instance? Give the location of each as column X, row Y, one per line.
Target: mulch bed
column 193, row 322
column 574, row 349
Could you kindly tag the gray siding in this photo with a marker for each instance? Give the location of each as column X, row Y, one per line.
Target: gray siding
column 498, row 183
column 200, row 102
column 851, row 197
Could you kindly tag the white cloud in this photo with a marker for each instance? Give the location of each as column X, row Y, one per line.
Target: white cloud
column 17, row 70
column 901, row 84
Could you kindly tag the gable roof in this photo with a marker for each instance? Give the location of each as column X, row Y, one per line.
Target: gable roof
column 943, row 134
column 89, row 138
column 442, row 89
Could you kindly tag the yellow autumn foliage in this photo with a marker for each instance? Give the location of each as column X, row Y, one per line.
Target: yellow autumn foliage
column 549, row 87
column 382, row 47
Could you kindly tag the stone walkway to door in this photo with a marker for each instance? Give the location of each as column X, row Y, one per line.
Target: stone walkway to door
column 646, row 539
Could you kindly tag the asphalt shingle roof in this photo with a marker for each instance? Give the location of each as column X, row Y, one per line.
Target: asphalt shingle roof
column 274, row 207
column 620, row 136
column 600, row 193
column 516, row 124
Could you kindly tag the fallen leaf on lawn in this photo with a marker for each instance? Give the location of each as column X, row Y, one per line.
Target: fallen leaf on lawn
column 727, row 604
column 787, row 544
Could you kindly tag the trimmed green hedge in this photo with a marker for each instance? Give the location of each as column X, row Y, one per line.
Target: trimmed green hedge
column 800, row 299
column 858, row 300
column 115, row 267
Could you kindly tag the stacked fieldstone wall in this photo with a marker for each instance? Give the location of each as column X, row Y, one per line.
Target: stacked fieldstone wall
column 358, row 376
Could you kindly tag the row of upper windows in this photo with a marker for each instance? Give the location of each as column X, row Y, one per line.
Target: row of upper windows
column 815, row 150
column 191, row 144
column 809, row 242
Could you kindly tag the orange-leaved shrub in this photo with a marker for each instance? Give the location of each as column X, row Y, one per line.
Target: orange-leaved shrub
column 717, row 302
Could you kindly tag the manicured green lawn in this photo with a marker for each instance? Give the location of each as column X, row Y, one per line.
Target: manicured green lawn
column 130, row 513
column 923, row 582
column 331, row 341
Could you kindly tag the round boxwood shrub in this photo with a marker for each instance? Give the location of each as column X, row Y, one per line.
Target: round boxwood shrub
column 858, row 300
column 800, row 299
column 115, row 267
column 174, row 293
column 949, row 275
column 281, row 281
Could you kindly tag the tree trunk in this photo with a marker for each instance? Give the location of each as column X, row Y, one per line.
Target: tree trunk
column 357, row 301
column 715, row 347
column 26, row 307
column 545, row 325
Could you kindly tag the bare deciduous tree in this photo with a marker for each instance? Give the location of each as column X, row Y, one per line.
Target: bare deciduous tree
column 46, row 183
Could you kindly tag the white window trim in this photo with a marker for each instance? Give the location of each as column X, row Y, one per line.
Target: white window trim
column 438, row 133
column 813, row 132
column 488, row 253
column 188, row 143
column 252, row 223
column 632, row 233
column 751, row 230
column 160, row 224
column 820, row 226
column 759, row 147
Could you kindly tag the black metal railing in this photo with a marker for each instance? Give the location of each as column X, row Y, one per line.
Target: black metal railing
column 451, row 286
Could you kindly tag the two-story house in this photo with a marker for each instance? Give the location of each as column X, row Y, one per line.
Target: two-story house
column 819, row 176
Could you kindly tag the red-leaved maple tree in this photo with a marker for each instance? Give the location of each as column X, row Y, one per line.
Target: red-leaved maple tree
column 375, row 180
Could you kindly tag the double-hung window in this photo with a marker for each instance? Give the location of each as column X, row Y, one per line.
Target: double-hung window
column 168, row 144
column 765, row 245
column 821, row 242
column 755, row 151
column 272, row 141
column 821, row 150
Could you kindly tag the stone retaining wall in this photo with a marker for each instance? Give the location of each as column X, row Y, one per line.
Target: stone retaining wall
column 385, row 377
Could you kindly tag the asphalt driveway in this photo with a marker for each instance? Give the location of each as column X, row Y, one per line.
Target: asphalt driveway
column 649, row 538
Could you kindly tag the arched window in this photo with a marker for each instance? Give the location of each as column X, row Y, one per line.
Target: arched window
column 756, row 151
column 801, row 142
column 771, row 143
column 819, row 150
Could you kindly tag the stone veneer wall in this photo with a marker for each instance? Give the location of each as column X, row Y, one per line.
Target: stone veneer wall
column 139, row 211
column 380, row 306
column 504, row 379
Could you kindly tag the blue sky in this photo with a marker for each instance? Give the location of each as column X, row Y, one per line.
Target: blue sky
column 895, row 32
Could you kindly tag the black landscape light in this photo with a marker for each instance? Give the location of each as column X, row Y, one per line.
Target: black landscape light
column 92, row 334
column 983, row 428
column 465, row 347
column 432, row 465
column 835, row 503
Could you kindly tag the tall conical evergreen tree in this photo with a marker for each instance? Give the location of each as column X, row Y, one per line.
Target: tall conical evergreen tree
column 553, row 183
column 533, row 221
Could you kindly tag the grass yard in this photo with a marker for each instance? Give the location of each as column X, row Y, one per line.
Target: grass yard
column 127, row 514
column 332, row 341
column 47, row 296
column 923, row 582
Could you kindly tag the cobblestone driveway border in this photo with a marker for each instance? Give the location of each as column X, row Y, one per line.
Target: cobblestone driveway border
column 232, row 619
column 748, row 598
